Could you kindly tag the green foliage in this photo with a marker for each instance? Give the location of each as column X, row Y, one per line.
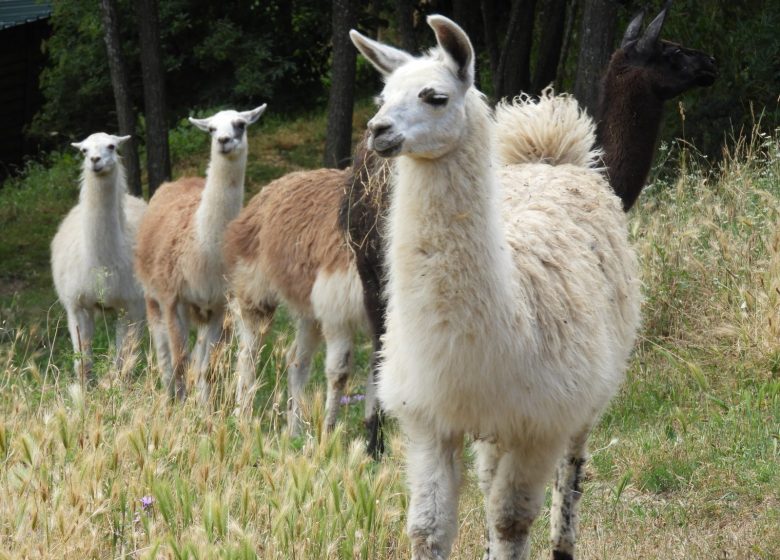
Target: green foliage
column 75, row 84
column 214, row 54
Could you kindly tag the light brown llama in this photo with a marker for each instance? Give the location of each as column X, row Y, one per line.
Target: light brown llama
column 286, row 247
column 179, row 257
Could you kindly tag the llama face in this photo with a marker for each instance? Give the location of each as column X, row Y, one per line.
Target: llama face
column 422, row 106
column 667, row 68
column 228, row 129
column 100, row 151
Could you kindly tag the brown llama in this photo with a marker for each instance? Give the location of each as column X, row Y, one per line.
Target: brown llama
column 179, row 257
column 642, row 74
column 286, row 248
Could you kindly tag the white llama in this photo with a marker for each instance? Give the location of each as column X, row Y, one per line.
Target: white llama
column 179, row 257
column 92, row 252
column 286, row 247
column 513, row 301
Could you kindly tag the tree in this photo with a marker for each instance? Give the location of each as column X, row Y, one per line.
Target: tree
column 338, row 139
column 511, row 61
column 551, row 43
column 121, row 86
column 158, row 159
column 597, row 41
column 404, row 10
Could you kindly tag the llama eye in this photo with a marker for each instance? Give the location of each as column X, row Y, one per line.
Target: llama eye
column 240, row 125
column 431, row 97
column 111, row 147
column 212, row 129
column 84, row 151
column 378, row 101
column 436, row 99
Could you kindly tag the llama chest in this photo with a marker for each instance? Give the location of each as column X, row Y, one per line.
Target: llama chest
column 203, row 279
column 108, row 283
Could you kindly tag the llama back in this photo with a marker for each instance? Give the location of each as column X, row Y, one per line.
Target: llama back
column 267, row 250
column 565, row 228
column 553, row 130
column 135, row 209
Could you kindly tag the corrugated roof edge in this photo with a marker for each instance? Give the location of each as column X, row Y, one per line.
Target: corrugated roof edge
column 21, row 14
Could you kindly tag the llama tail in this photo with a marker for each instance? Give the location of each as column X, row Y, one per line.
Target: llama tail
column 554, row 130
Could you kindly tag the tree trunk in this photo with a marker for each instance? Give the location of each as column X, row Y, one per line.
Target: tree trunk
column 158, row 159
column 404, row 10
column 121, row 85
column 571, row 16
column 491, row 34
column 513, row 75
column 338, row 139
column 554, row 17
column 597, row 40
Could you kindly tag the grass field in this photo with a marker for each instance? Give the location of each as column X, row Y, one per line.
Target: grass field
column 685, row 463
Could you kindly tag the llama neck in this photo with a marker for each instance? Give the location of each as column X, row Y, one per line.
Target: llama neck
column 222, row 198
column 102, row 200
column 445, row 219
column 627, row 130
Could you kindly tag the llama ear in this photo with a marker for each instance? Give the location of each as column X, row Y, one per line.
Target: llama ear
column 454, row 41
column 633, row 29
column 202, row 124
column 383, row 57
column 121, row 139
column 251, row 116
column 77, row 145
column 650, row 38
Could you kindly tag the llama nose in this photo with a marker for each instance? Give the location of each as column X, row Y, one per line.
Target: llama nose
column 379, row 127
column 223, row 140
column 95, row 159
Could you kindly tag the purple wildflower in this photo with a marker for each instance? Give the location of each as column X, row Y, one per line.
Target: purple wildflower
column 350, row 399
column 146, row 502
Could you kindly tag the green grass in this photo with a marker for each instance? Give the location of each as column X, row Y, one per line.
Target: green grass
column 684, row 462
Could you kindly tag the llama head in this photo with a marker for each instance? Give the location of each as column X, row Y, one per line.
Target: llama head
column 100, row 151
column 228, row 129
column 667, row 68
column 423, row 104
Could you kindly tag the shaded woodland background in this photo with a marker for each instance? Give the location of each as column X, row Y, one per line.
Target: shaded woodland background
column 178, row 57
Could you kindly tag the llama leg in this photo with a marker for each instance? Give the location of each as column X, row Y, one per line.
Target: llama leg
column 252, row 324
column 566, row 495
column 81, row 326
column 488, row 455
column 177, row 325
column 516, row 496
column 338, row 362
column 119, row 339
column 128, row 334
column 433, row 465
column 307, row 337
column 373, row 419
column 209, row 335
column 159, row 334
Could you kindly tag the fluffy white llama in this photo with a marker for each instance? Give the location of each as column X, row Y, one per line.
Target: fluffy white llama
column 513, row 299
column 179, row 258
column 92, row 252
column 286, row 247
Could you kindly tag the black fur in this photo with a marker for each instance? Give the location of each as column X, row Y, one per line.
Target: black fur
column 361, row 218
column 640, row 77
